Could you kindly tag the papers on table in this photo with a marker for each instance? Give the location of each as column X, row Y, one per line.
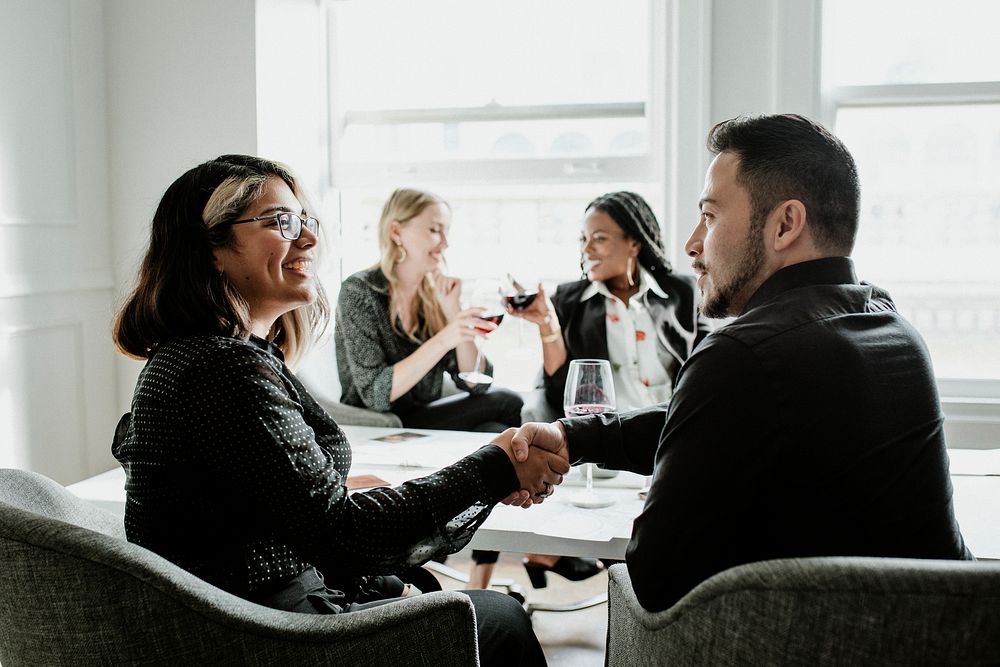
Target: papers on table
column 380, row 449
column 974, row 461
column 396, row 447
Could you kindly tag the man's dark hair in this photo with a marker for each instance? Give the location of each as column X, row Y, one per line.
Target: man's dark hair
column 791, row 157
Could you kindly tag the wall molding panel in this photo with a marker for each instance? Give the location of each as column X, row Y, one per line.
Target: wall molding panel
column 58, row 391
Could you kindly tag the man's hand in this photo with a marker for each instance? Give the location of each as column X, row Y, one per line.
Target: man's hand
column 551, row 437
column 537, row 472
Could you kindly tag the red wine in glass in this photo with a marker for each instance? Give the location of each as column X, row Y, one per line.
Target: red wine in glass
column 520, row 301
column 475, row 376
column 584, row 410
column 494, row 317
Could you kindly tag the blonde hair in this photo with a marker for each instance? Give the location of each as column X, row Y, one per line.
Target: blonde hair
column 427, row 317
column 179, row 293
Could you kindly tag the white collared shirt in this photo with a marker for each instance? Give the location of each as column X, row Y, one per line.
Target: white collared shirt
column 640, row 379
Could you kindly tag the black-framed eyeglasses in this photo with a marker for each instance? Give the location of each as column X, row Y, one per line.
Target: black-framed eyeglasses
column 289, row 224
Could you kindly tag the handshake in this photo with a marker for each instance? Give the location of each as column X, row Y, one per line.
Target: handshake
column 540, row 456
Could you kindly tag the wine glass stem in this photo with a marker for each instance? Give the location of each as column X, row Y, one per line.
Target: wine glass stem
column 479, row 358
column 590, row 478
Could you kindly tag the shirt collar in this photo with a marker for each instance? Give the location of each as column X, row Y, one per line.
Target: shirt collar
column 646, row 282
column 825, row 271
column 267, row 346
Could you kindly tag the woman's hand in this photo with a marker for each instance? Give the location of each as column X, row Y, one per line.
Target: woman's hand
column 463, row 328
column 540, row 312
column 448, row 290
column 539, row 471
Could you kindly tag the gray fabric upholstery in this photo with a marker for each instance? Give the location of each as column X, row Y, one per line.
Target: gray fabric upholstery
column 817, row 611
column 318, row 372
column 350, row 415
column 536, row 408
column 73, row 591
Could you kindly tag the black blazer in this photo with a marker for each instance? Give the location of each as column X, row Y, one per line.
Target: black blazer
column 678, row 328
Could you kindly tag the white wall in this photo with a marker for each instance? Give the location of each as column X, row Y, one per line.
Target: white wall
column 104, row 103
column 292, row 100
column 190, row 80
column 181, row 89
column 765, row 57
column 56, row 268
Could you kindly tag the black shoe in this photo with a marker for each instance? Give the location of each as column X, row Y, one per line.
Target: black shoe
column 570, row 567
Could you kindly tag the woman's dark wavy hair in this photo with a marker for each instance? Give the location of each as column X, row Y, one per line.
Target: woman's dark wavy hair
column 178, row 291
column 631, row 212
column 789, row 156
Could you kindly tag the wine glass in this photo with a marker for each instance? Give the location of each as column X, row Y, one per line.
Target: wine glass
column 494, row 314
column 519, row 297
column 590, row 390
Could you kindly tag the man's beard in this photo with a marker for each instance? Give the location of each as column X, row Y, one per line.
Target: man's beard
column 719, row 303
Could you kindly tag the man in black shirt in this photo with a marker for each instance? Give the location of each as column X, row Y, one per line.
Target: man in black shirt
column 808, row 426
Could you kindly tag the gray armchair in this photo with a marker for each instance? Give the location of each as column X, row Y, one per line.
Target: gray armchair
column 817, row 611
column 74, row 591
column 318, row 372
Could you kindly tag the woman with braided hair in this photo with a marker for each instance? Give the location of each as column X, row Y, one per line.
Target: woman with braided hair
column 630, row 307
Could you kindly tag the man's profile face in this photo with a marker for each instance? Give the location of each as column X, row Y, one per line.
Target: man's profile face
column 726, row 247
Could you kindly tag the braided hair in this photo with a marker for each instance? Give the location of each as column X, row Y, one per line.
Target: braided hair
column 631, row 212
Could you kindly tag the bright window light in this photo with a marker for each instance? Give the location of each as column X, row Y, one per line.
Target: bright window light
column 914, row 91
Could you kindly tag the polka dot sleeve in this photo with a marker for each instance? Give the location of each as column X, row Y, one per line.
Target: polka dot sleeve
column 238, row 475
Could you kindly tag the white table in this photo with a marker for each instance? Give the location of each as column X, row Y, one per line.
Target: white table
column 556, row 526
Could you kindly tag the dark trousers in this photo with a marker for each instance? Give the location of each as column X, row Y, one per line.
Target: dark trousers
column 492, row 412
column 506, row 637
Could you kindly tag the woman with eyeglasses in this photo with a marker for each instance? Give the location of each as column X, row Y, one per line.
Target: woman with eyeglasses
column 234, row 472
column 630, row 308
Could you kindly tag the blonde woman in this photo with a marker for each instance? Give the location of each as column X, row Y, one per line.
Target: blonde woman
column 400, row 327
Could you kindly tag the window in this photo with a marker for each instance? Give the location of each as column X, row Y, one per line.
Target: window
column 920, row 111
column 513, row 91
column 510, row 111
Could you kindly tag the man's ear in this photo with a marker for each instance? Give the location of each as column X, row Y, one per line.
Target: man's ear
column 790, row 224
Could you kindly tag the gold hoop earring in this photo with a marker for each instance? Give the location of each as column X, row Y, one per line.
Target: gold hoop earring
column 402, row 253
column 628, row 272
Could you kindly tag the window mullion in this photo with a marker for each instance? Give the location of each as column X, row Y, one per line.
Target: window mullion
column 916, row 94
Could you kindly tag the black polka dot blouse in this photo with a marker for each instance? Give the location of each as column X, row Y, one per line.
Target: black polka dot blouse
column 236, row 474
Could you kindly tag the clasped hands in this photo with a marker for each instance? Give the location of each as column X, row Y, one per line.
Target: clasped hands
column 540, row 456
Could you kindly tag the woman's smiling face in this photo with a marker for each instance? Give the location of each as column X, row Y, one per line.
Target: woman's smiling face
column 604, row 247
column 274, row 275
column 425, row 237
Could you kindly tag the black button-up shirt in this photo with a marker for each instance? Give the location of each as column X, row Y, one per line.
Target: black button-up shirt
column 808, row 426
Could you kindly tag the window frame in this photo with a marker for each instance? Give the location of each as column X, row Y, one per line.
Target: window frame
column 648, row 167
column 971, row 405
